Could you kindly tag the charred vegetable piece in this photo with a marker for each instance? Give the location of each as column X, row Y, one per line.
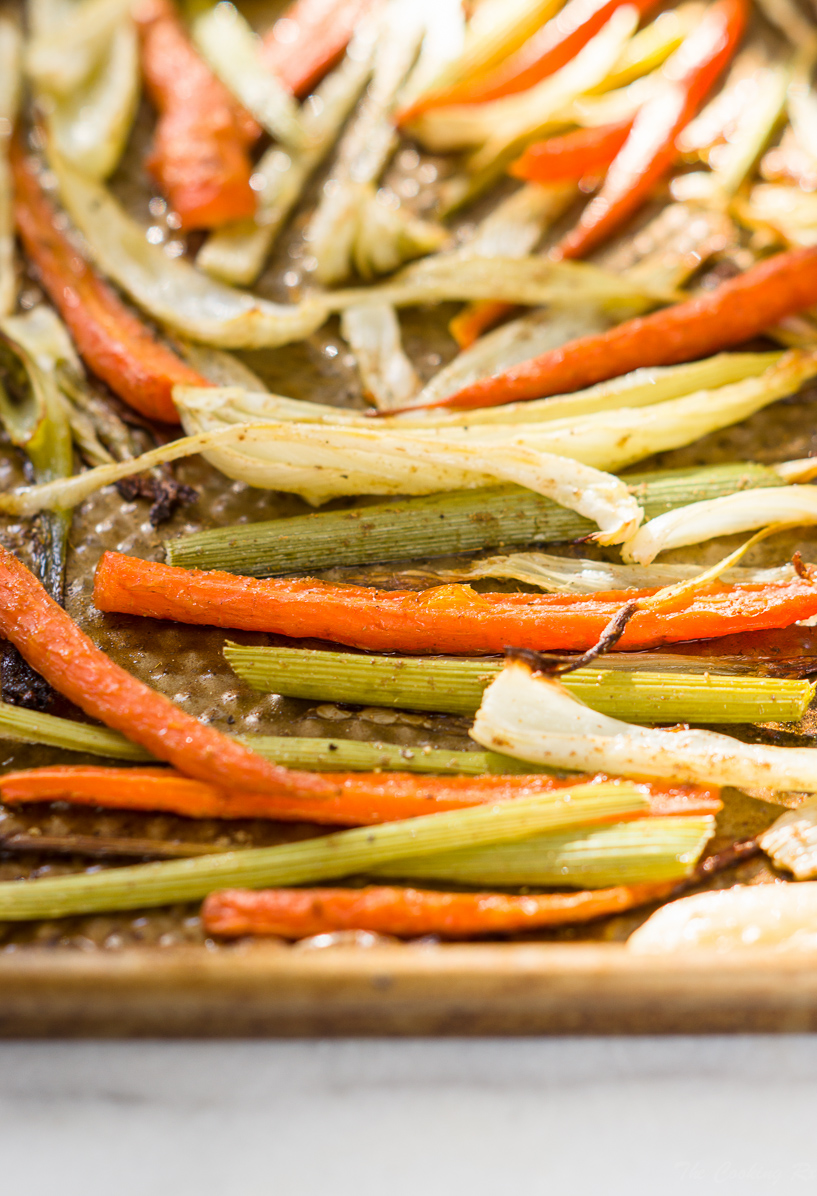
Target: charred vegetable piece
column 35, row 420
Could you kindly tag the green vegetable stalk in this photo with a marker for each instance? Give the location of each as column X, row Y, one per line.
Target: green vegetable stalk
column 456, row 686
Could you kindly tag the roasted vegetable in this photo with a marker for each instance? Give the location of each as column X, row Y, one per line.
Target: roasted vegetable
column 536, row 719
column 344, row 853
column 445, row 619
column 738, row 310
column 410, row 913
column 111, row 340
column 649, row 151
column 200, row 155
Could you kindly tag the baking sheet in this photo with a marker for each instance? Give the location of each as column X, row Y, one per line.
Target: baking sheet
column 124, row 973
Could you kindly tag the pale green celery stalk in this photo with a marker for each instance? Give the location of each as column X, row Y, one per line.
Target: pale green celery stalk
column 320, row 755
column 344, row 853
column 456, row 686
column 341, row 755
column 439, row 525
column 625, row 853
column 30, row 726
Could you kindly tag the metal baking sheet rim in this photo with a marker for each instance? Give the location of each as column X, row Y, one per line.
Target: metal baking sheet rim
column 457, row 990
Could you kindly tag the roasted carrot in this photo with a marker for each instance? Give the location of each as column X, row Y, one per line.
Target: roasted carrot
column 738, row 310
column 199, row 157
column 573, row 156
column 408, row 913
column 649, row 152
column 550, row 48
column 476, row 318
column 112, row 341
column 352, row 799
column 309, row 38
column 445, row 619
column 54, row 645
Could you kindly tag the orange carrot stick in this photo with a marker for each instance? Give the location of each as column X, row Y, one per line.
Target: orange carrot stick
column 550, row 48
column 649, row 152
column 408, row 913
column 309, row 38
column 114, row 344
column 54, row 645
column 573, row 156
column 351, row 799
column 476, row 318
column 738, row 310
column 199, row 157
column 446, row 619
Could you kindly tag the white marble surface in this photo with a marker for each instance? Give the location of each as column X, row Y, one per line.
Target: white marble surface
column 590, row 1117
